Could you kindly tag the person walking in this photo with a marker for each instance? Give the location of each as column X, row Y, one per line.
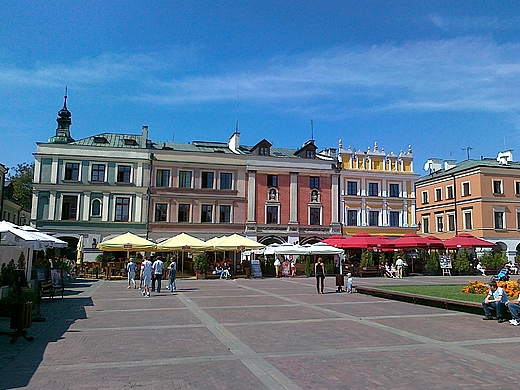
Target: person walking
column 319, row 271
column 146, row 277
column 130, row 267
column 172, row 272
column 158, row 268
column 350, row 280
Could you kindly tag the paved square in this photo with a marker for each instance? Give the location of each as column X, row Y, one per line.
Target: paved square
column 257, row 334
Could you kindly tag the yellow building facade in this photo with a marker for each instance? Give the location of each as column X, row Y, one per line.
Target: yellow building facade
column 377, row 191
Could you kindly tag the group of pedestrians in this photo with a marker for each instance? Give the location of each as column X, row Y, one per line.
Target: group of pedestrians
column 151, row 275
column 496, row 300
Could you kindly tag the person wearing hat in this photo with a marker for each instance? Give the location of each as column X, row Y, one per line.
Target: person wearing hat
column 349, row 283
column 130, row 267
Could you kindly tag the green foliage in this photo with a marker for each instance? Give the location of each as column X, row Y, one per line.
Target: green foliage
column 105, row 258
column 493, row 260
column 367, row 259
column 267, row 266
column 21, row 178
column 432, row 263
column 7, row 274
column 440, row 291
column 308, row 266
column 398, row 255
column 461, row 262
column 329, row 267
column 200, row 263
column 24, row 295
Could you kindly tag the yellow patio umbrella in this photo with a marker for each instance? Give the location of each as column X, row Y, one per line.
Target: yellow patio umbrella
column 79, row 249
column 235, row 243
column 184, row 243
column 127, row 242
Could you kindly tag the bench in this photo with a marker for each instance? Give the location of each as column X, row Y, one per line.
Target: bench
column 46, row 288
column 368, row 271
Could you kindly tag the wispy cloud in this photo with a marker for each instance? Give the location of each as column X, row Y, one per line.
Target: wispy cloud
column 459, row 74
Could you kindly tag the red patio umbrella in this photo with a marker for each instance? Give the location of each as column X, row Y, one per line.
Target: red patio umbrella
column 435, row 242
column 412, row 240
column 361, row 241
column 386, row 244
column 466, row 240
column 336, row 241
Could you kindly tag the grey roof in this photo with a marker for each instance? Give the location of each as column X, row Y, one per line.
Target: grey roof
column 111, row 140
column 466, row 166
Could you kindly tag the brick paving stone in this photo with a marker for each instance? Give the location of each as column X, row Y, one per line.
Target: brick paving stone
column 257, row 334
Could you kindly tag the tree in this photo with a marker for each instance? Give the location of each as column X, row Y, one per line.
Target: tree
column 21, row 178
column 367, row 259
column 461, row 262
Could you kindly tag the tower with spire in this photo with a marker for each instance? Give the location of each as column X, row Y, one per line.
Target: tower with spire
column 63, row 130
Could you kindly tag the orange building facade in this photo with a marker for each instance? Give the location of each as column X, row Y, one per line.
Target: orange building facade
column 480, row 197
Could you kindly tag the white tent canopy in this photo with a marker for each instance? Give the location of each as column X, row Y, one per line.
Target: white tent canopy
column 28, row 237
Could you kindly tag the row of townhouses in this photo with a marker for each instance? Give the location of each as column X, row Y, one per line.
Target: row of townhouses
column 111, row 183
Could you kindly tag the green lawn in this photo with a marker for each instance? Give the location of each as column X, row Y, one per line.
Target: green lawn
column 449, row 291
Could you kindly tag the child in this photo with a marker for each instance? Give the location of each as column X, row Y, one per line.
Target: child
column 349, row 283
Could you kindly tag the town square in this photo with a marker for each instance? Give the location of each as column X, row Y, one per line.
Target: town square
column 278, row 195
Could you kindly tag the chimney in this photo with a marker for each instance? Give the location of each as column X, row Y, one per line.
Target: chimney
column 448, row 164
column 144, row 137
column 505, row 157
column 234, row 142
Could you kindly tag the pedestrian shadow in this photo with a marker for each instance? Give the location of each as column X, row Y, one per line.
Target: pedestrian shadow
column 22, row 358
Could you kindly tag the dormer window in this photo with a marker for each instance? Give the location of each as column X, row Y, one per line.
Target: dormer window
column 130, row 142
column 309, row 154
column 263, row 151
column 100, row 140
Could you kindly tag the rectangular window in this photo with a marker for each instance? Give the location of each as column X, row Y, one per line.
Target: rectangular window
column 352, row 217
column 184, row 213
column 163, row 178
column 394, row 190
column 373, row 218
column 373, row 189
column 207, row 180
column 69, row 207
column 314, row 182
column 123, row 173
column 225, row 214
column 98, row 173
column 272, row 180
column 262, row 151
column 499, row 220
column 440, row 223
column 451, row 222
column 206, row 214
column 72, row 171
column 351, row 187
column 425, row 197
column 517, row 187
column 272, row 214
column 426, row 224
column 226, row 181
column 394, row 218
column 497, row 187
column 122, row 209
column 160, row 212
column 518, row 220
column 184, row 179
column 465, row 189
column 438, row 194
column 449, row 192
column 314, row 216
column 468, row 224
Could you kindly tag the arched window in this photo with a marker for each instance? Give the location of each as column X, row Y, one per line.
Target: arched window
column 96, row 208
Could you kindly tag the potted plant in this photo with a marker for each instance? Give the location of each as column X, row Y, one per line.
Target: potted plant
column 200, row 265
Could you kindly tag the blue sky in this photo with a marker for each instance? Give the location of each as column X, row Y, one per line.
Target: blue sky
column 439, row 75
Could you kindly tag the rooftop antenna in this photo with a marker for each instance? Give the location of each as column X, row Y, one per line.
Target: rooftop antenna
column 312, row 130
column 467, row 149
